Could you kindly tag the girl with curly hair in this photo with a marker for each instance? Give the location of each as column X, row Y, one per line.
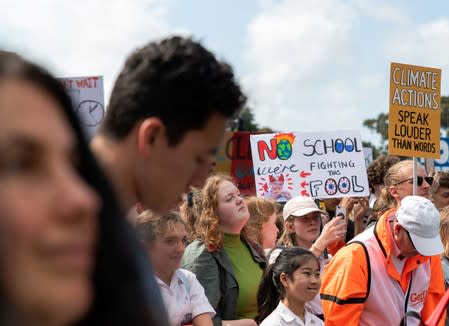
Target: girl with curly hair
column 226, row 263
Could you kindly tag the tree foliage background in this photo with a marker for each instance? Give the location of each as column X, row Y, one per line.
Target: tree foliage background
column 379, row 125
column 245, row 121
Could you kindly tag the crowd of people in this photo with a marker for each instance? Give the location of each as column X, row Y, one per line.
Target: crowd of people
column 135, row 228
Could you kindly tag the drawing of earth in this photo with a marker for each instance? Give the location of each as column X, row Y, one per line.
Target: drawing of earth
column 284, row 149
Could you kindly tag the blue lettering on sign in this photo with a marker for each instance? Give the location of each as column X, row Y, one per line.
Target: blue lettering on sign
column 443, row 162
column 325, row 146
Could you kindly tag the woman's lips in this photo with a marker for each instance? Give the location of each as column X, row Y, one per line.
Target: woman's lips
column 76, row 256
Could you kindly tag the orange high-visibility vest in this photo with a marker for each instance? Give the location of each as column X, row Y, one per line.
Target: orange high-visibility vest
column 361, row 286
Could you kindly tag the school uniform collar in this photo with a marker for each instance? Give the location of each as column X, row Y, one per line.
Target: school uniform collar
column 175, row 279
column 288, row 316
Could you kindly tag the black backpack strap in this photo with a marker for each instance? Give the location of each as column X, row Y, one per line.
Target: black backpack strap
column 413, row 314
column 353, row 300
column 368, row 266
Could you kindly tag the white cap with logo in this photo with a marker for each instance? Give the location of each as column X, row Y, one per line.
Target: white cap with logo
column 421, row 219
column 299, row 206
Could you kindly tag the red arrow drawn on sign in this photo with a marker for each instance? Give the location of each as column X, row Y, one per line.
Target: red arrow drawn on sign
column 304, row 174
column 304, row 184
column 304, row 193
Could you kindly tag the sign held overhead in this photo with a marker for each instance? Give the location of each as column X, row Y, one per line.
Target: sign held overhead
column 414, row 120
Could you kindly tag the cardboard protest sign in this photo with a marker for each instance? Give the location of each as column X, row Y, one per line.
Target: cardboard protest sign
column 368, row 154
column 88, row 100
column 414, row 119
column 242, row 163
column 223, row 157
column 441, row 163
column 275, row 157
column 319, row 165
column 234, row 158
column 336, row 163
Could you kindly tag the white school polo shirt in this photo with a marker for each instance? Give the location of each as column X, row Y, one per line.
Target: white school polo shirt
column 184, row 299
column 282, row 316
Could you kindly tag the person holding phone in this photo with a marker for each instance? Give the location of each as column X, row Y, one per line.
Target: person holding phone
column 302, row 221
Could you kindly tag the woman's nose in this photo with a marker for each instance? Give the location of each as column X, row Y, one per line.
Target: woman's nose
column 77, row 196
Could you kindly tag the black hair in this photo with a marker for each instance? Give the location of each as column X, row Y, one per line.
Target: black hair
column 190, row 211
column 122, row 278
column 271, row 290
column 176, row 80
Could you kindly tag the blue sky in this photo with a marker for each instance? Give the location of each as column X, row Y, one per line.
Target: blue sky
column 305, row 65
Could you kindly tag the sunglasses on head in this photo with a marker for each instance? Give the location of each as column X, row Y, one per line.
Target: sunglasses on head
column 419, row 180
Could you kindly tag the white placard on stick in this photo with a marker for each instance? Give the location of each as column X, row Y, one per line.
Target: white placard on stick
column 88, row 100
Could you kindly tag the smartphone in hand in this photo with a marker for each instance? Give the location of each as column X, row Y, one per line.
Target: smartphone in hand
column 339, row 210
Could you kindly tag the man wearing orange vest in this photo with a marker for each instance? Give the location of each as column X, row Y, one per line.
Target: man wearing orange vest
column 386, row 273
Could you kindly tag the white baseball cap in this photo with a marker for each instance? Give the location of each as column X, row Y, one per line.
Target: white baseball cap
column 299, row 206
column 421, row 219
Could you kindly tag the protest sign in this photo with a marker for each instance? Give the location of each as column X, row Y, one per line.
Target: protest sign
column 368, row 154
column 319, row 165
column 414, row 119
column 88, row 101
column 441, row 163
column 234, row 158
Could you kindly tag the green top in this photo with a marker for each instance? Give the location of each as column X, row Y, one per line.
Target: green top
column 247, row 272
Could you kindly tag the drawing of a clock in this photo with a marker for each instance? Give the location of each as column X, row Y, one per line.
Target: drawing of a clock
column 90, row 113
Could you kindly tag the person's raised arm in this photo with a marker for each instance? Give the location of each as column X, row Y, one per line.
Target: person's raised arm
column 332, row 231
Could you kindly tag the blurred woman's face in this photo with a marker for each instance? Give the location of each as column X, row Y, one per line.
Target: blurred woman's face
column 232, row 209
column 269, row 232
column 48, row 214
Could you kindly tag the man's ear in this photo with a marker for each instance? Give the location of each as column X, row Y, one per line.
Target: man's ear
column 151, row 132
column 396, row 229
column 393, row 190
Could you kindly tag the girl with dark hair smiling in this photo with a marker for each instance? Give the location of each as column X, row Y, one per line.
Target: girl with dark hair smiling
column 291, row 279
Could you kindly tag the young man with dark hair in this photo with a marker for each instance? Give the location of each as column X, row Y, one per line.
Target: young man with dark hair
column 166, row 117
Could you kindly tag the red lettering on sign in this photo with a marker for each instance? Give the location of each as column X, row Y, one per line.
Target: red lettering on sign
column 89, row 82
column 262, row 148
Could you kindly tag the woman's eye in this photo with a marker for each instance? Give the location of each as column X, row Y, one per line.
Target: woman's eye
column 18, row 164
column 170, row 242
